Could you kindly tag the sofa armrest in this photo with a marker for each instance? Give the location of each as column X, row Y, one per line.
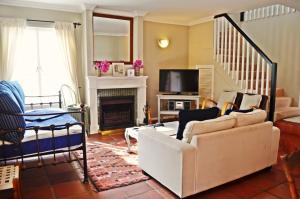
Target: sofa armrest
column 275, row 144
column 168, row 160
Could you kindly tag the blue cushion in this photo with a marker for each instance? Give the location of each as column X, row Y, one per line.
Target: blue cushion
column 17, row 91
column 186, row 116
column 9, row 104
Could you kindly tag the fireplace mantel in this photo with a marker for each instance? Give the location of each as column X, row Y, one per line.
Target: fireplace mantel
column 96, row 83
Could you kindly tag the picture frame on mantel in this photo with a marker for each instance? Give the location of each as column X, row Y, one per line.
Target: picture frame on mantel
column 118, row 69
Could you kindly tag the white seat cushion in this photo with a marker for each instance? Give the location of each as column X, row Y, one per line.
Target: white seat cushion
column 250, row 100
column 253, row 117
column 227, row 96
column 199, row 127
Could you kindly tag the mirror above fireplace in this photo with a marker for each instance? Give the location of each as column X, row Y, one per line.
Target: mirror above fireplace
column 113, row 38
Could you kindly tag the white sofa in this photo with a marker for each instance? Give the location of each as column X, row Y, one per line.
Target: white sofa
column 211, row 153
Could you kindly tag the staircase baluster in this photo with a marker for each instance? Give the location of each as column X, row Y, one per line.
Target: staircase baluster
column 222, row 40
column 254, row 13
column 226, row 44
column 218, row 39
column 277, row 10
column 215, row 39
column 238, row 58
column 262, row 76
column 263, row 12
column 234, row 72
column 259, row 13
column 252, row 69
column 246, row 15
column 243, row 62
column 271, row 11
column 229, row 50
column 267, row 79
column 247, row 67
column 268, row 12
column 282, row 9
column 257, row 73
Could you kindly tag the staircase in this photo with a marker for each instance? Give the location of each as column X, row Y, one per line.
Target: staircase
column 284, row 108
column 265, row 12
column 247, row 65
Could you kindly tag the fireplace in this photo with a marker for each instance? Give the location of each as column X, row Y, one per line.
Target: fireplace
column 116, row 112
column 117, row 108
column 98, row 87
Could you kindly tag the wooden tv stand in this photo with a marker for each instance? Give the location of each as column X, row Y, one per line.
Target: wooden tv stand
column 160, row 97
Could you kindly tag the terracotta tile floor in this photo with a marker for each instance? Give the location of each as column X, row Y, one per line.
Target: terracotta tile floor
column 64, row 181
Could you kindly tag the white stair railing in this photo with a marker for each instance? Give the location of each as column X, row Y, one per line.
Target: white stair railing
column 243, row 60
column 265, row 12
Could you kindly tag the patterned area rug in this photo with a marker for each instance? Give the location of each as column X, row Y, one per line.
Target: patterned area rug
column 111, row 166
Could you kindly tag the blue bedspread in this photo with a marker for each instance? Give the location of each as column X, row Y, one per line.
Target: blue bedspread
column 45, row 121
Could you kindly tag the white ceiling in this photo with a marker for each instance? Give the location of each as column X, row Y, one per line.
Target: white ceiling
column 171, row 11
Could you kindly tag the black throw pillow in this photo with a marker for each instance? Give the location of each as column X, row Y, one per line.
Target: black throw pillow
column 186, row 116
column 239, row 111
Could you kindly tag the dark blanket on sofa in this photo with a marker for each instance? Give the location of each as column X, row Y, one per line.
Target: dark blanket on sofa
column 186, row 116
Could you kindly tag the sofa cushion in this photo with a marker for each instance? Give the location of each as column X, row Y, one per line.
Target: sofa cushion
column 199, row 127
column 227, row 96
column 17, row 91
column 253, row 117
column 250, row 100
column 186, row 116
column 9, row 104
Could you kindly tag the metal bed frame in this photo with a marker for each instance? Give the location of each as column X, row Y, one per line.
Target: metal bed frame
column 37, row 129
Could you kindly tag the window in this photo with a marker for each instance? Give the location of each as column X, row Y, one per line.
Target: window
column 39, row 65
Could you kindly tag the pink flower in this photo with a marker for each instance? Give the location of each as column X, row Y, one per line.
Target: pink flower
column 103, row 66
column 138, row 64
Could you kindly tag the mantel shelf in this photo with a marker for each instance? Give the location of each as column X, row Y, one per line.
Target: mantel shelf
column 118, row 78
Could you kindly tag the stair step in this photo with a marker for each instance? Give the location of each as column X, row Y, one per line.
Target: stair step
column 283, row 102
column 279, row 92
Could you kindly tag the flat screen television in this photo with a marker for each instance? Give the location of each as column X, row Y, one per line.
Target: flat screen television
column 178, row 80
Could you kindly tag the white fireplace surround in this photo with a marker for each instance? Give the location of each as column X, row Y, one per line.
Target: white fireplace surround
column 97, row 83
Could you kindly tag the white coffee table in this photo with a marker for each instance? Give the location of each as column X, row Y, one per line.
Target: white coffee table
column 169, row 128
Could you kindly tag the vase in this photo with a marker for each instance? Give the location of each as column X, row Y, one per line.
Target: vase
column 99, row 73
column 137, row 72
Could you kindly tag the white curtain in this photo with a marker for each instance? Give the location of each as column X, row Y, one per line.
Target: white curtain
column 11, row 33
column 67, row 43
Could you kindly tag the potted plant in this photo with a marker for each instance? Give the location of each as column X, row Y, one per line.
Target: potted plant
column 137, row 65
column 102, row 67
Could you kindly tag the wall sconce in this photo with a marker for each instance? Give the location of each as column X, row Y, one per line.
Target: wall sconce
column 163, row 43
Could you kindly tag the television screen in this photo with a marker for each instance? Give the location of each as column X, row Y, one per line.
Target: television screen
column 178, row 80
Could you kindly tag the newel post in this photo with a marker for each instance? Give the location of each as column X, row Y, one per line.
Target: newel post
column 273, row 92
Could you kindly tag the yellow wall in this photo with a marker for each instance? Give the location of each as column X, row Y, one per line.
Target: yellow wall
column 201, row 44
column 175, row 56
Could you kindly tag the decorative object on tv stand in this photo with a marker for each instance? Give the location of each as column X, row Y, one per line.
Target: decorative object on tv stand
column 118, row 69
column 163, row 43
column 130, row 72
column 147, row 112
column 102, row 67
column 137, row 65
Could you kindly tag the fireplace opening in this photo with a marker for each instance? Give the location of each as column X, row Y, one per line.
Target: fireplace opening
column 116, row 112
